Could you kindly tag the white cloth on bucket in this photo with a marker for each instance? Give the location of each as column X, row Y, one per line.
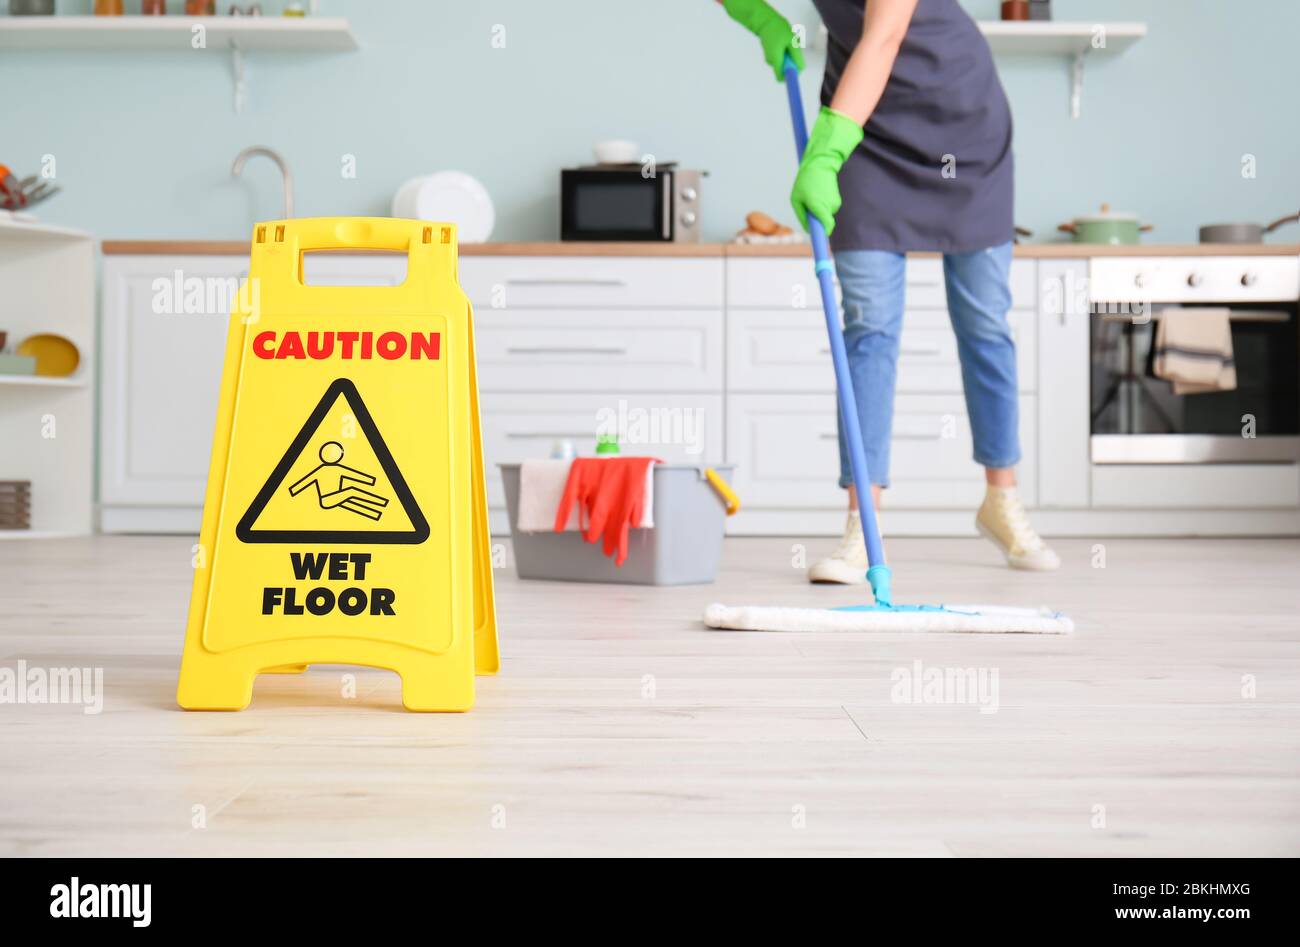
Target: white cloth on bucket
column 541, row 488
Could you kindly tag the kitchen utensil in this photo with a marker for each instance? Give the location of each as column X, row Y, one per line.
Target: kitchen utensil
column 55, row 356
column 16, row 194
column 1242, row 233
column 1107, row 226
column 1015, row 10
column 619, row 151
column 452, row 196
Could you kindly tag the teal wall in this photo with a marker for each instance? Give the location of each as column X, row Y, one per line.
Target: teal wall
column 143, row 141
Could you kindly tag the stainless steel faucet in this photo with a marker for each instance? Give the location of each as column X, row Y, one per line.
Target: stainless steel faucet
column 242, row 158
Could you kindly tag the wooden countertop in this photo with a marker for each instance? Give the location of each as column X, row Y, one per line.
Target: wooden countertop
column 1026, row 250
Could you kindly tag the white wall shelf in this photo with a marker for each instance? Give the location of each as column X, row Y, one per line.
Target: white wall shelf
column 47, row 425
column 42, row 381
column 1076, row 42
column 235, row 35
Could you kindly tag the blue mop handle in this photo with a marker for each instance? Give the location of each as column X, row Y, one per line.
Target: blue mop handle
column 878, row 574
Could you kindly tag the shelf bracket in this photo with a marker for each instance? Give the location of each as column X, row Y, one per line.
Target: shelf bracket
column 237, row 71
column 1076, row 82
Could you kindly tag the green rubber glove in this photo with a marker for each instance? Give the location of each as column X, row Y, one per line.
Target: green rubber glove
column 816, row 187
column 772, row 29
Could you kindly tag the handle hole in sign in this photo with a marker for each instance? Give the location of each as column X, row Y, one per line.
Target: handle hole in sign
column 353, row 267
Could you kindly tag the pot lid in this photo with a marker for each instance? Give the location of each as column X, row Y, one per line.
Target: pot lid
column 1107, row 214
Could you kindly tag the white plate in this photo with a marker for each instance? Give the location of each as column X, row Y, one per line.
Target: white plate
column 452, row 196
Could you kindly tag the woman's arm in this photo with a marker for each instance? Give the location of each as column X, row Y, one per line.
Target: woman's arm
column 838, row 129
column 868, row 68
column 772, row 29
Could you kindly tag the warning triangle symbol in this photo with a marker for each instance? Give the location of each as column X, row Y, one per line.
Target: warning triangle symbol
column 324, row 492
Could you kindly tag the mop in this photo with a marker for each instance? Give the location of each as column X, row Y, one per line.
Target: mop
column 884, row 615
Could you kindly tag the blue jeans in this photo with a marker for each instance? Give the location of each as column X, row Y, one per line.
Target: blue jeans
column 978, row 299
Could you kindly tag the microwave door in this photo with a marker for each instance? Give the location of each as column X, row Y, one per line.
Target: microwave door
column 614, row 205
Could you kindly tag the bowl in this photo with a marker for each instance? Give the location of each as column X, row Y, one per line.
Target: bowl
column 618, row 151
column 55, row 356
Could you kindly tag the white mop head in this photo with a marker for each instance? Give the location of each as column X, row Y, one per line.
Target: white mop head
column 971, row 619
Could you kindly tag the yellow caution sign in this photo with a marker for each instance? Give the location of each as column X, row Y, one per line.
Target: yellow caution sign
column 345, row 520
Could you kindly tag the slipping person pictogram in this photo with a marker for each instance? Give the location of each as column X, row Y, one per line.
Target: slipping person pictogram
column 342, row 496
column 281, row 514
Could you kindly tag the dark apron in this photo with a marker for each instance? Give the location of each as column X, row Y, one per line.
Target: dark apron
column 943, row 98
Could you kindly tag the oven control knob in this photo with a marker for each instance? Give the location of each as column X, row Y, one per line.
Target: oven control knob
column 1140, row 279
column 689, row 194
column 1195, row 279
column 688, row 218
column 1249, row 279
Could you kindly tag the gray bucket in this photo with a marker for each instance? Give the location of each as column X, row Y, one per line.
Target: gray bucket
column 683, row 547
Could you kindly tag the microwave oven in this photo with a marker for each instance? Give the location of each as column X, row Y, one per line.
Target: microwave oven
column 627, row 202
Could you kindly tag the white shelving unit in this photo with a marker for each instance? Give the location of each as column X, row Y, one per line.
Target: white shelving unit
column 1076, row 42
column 47, row 433
column 235, row 35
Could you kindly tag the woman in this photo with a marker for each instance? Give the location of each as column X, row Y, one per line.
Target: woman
column 915, row 134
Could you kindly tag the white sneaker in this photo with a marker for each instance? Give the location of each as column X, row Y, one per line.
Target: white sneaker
column 1001, row 519
column 847, row 565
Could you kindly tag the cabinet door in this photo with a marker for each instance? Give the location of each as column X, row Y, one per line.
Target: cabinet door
column 1063, row 422
column 786, row 455
column 164, row 338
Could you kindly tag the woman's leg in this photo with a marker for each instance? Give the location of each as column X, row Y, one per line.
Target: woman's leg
column 979, row 297
column 871, row 282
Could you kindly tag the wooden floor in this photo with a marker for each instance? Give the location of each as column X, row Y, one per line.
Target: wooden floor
column 619, row 725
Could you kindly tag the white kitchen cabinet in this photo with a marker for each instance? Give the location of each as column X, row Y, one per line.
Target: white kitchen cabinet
column 164, row 338
column 1063, row 398
column 595, row 282
column 787, row 350
column 786, row 454
column 790, row 283
column 605, row 350
column 1195, row 486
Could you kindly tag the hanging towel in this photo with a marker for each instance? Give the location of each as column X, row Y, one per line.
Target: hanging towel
column 1193, row 350
column 541, row 488
column 610, row 496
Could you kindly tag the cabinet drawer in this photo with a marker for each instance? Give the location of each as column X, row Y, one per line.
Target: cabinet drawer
column 613, row 350
column 790, row 283
column 592, row 282
column 674, row 428
column 787, row 350
column 1195, row 486
column 786, row 457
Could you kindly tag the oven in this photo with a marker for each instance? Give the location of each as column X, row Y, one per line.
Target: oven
column 1138, row 417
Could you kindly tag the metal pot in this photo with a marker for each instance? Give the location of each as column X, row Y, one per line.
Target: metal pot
column 1242, row 233
column 1107, row 226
